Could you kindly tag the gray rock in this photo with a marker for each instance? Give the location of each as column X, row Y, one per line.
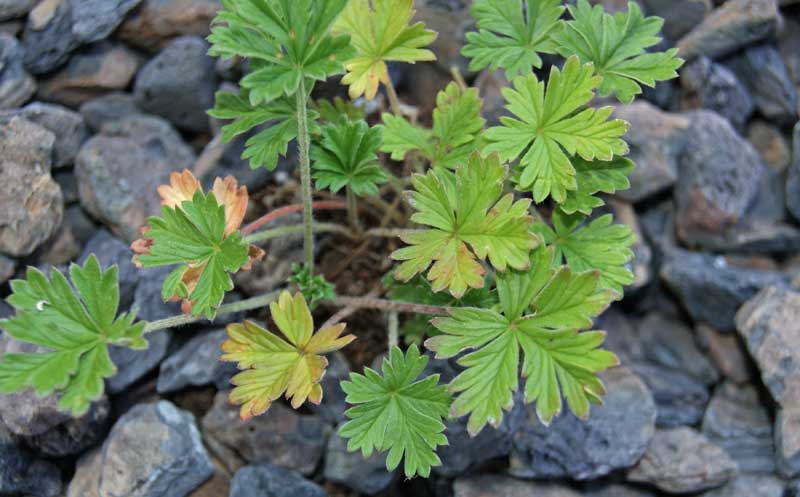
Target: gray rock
column 111, row 251
column 133, row 365
column 7, row 268
column 762, row 71
column 154, row 450
column 94, row 20
column 178, row 84
column 503, row 486
column 680, row 398
column 736, row 421
column 157, row 22
column 364, row 475
column 750, row 486
column 464, row 452
column 787, row 441
column 16, row 85
column 679, row 17
column 712, row 86
column 710, row 288
column 793, row 177
column 119, row 170
column 267, row 480
column 23, row 474
column 735, row 24
column 147, row 298
column 109, row 107
column 772, row 146
column 281, row 436
column 728, row 354
column 74, row 435
column 617, row 490
column 67, row 126
column 69, row 187
column 615, row 436
column 231, row 163
column 197, row 364
column 670, row 343
column 48, row 38
column 682, row 460
column 83, row 228
column 10, row 9
column 32, row 201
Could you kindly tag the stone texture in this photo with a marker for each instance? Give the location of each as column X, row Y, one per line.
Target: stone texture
column 147, row 298
column 108, row 107
column 119, row 170
column 615, row 436
column 503, row 486
column 16, row 85
column 364, row 475
column 709, row 85
column 617, row 490
column 154, row 450
column 682, row 460
column 267, row 480
column 727, row 352
column 66, row 125
column 94, row 20
column 196, row 364
column 679, row 17
column 31, row 199
column 74, row 435
column 178, row 84
column 7, row 268
column 10, row 9
column 48, row 38
column 770, row 143
column 793, row 176
column 111, row 251
column 21, row 473
column 156, row 22
column 750, row 486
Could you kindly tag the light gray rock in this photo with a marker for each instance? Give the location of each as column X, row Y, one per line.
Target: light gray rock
column 496, row 486
column 67, row 127
column 750, row 486
column 197, row 364
column 364, row 475
column 267, row 480
column 16, row 85
column 451, row 20
column 94, row 20
column 109, row 107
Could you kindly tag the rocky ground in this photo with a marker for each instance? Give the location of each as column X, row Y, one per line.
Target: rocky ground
column 100, row 100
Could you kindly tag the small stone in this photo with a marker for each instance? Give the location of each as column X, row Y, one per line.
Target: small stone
column 109, row 107
column 503, row 486
column 154, row 450
column 48, row 38
column 614, row 437
column 197, row 364
column 712, row 86
column 179, row 83
column 737, row 23
column 772, row 147
column 67, row 126
column 281, row 436
column 157, row 22
column 74, row 435
column 728, row 353
column 92, row 71
column 11, row 9
column 679, row 16
column 93, row 20
column 736, row 421
column 364, row 475
column 23, row 474
column 750, row 486
column 682, row 460
column 793, row 176
column 267, row 480
column 272, row 270
column 16, row 85
column 120, row 169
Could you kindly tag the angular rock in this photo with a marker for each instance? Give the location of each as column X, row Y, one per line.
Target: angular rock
column 735, row 24
column 154, row 450
column 156, row 22
column 736, row 421
column 281, row 437
column 364, row 475
column 787, row 441
column 267, row 480
column 94, row 20
column 109, row 107
column 615, row 436
column 712, row 86
column 682, row 460
column 727, row 352
column 496, row 486
column 16, row 85
column 770, row 144
column 67, row 126
column 679, row 17
column 197, row 364
column 21, row 473
column 793, row 176
column 48, row 38
column 119, row 170
column 179, row 83
column 31, row 199
column 750, row 486
column 10, row 9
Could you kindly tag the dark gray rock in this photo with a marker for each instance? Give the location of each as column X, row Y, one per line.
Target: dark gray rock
column 109, row 107
column 69, row 186
column 497, row 485
column 615, row 436
column 710, row 288
column 712, row 86
column 74, row 435
column 154, row 450
column 197, row 364
column 157, row 22
column 21, row 473
column 120, row 169
column 231, row 163
column 16, row 85
column 82, row 226
column 679, row 17
column 178, row 84
column 267, row 480
column 7, row 268
column 750, row 486
column 682, row 460
column 111, row 251
column 737, row 421
column 48, row 38
column 147, row 298
column 133, row 365
column 67, row 126
column 680, row 398
column 364, row 475
column 10, row 9
column 464, row 452
column 94, row 20
column 670, row 343
column 793, row 176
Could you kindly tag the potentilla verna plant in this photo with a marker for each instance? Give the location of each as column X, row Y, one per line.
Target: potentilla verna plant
column 514, row 292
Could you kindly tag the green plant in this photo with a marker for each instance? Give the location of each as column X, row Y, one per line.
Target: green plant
column 514, row 290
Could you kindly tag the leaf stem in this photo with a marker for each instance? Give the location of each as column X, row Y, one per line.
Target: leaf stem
column 394, row 102
column 352, row 210
column 295, row 229
column 391, row 305
column 394, row 329
column 267, row 218
column 305, row 175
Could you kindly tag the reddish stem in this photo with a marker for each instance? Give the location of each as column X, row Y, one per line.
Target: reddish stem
column 319, row 205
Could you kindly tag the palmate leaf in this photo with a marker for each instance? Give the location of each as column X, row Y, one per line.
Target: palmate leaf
column 596, row 245
column 616, row 45
column 469, row 222
column 380, row 32
column 397, row 412
column 273, row 366
column 542, row 313
column 596, row 177
column 76, row 325
column 511, row 34
column 552, row 126
column 346, row 157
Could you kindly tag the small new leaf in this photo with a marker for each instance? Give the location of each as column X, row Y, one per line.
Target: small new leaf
column 75, row 326
column 469, row 222
column 596, row 177
column 380, row 32
column 511, row 34
column 397, row 412
column 552, row 126
column 314, row 287
column 273, row 366
column 346, row 157
column 616, row 45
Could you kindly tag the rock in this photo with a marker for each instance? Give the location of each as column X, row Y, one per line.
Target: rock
column 10, row 9
column 267, row 480
column 92, row 71
column 772, row 147
column 641, row 264
column 682, row 460
column 179, row 83
column 69, row 186
column 617, row 490
column 680, row 399
column 793, row 176
column 16, row 85
column 119, row 170
column 281, row 436
column 147, row 298
column 109, row 107
column 750, row 486
column 503, row 486
column 614, row 437
column 93, row 20
column 82, row 227
column 710, row 288
column 736, row 421
column 762, row 71
column 156, row 22
column 197, row 364
column 75, row 435
column 364, row 475
column 465, row 453
column 219, row 485
column 67, row 126
column 48, row 38
column 230, row 163
column 728, row 353
column 32, row 201
column 451, row 19
column 787, row 441
column 712, row 86
column 656, row 139
column 154, row 450
column 110, row 251
column 7, row 268
column 23, row 474
column 679, row 17
column 737, row 23
column 671, row 344
column 133, row 365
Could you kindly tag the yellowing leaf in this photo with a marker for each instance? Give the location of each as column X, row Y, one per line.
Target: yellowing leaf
column 273, row 365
